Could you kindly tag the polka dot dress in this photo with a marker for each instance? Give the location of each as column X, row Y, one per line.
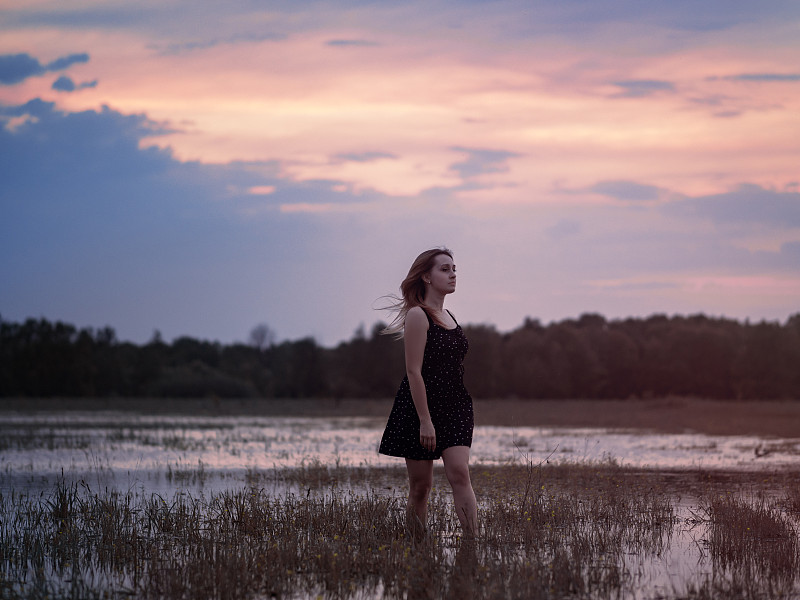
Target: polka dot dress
column 449, row 402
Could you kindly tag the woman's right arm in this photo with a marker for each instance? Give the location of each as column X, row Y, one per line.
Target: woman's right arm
column 415, row 336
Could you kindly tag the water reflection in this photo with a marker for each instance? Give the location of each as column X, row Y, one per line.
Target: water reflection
column 122, row 443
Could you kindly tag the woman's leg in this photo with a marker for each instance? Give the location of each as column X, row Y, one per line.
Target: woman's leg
column 420, row 481
column 456, row 467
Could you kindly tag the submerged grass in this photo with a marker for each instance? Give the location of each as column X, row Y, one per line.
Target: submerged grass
column 751, row 539
column 555, row 532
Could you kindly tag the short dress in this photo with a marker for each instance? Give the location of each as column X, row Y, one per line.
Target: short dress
column 449, row 403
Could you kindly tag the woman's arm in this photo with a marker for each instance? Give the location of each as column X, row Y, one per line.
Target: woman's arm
column 415, row 336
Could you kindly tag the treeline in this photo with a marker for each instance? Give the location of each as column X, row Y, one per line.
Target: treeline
column 588, row 357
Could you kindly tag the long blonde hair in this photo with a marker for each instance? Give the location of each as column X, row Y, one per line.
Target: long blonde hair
column 412, row 290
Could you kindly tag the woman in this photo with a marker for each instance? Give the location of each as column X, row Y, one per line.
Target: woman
column 432, row 413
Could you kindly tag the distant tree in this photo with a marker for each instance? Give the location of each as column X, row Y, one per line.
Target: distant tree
column 587, row 357
column 383, row 365
column 366, row 367
column 523, row 371
column 262, row 337
column 149, row 362
column 619, row 356
column 300, row 369
column 250, row 364
column 483, row 370
column 769, row 363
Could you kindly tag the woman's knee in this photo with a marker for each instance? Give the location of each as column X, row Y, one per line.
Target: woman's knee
column 420, row 487
column 456, row 466
column 420, row 479
column 458, row 474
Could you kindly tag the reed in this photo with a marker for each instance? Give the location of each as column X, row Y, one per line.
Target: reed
column 752, row 539
column 561, row 531
column 792, row 498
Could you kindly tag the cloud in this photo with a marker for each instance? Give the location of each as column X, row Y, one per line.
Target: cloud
column 98, row 228
column 261, row 190
column 481, row 161
column 764, row 77
column 83, row 173
column 791, row 250
column 639, row 88
column 629, row 191
column 95, row 163
column 362, row 157
column 633, row 285
column 185, row 47
column 67, row 61
column 687, row 15
column 564, row 228
column 351, row 43
column 163, row 20
column 52, row 126
column 548, row 17
column 728, row 114
column 710, row 100
column 16, row 68
column 747, row 204
column 66, row 84
column 85, row 163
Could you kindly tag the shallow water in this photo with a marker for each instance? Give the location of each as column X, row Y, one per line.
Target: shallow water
column 164, row 454
column 124, row 449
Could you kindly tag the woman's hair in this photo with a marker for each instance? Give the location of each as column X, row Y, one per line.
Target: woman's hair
column 412, row 290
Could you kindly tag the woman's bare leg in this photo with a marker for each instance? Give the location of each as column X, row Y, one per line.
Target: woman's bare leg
column 456, row 467
column 420, row 481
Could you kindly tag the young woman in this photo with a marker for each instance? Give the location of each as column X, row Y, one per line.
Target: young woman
column 432, row 414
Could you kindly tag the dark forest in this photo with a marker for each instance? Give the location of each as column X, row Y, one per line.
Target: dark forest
column 587, row 357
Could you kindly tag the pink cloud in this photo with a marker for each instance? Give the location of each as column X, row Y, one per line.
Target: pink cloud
column 302, row 102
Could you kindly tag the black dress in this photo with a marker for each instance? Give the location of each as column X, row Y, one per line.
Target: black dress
column 449, row 403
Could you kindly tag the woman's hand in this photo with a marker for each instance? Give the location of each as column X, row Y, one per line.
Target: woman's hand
column 427, row 435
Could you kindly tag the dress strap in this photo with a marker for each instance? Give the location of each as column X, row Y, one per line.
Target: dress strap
column 430, row 319
column 451, row 314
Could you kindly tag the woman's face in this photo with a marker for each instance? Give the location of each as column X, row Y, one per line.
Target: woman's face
column 443, row 274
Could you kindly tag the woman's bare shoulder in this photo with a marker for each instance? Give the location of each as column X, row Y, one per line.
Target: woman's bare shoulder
column 416, row 317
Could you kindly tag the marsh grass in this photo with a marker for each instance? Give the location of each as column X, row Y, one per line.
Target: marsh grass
column 187, row 474
column 34, row 439
column 755, row 542
column 543, row 534
column 792, row 499
column 547, row 531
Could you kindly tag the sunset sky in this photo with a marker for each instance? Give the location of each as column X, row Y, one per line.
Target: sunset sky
column 201, row 167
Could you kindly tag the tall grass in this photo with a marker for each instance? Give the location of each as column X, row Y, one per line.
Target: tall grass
column 755, row 542
column 565, row 532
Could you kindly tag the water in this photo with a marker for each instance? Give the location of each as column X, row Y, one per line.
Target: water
column 201, row 454
column 120, row 448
